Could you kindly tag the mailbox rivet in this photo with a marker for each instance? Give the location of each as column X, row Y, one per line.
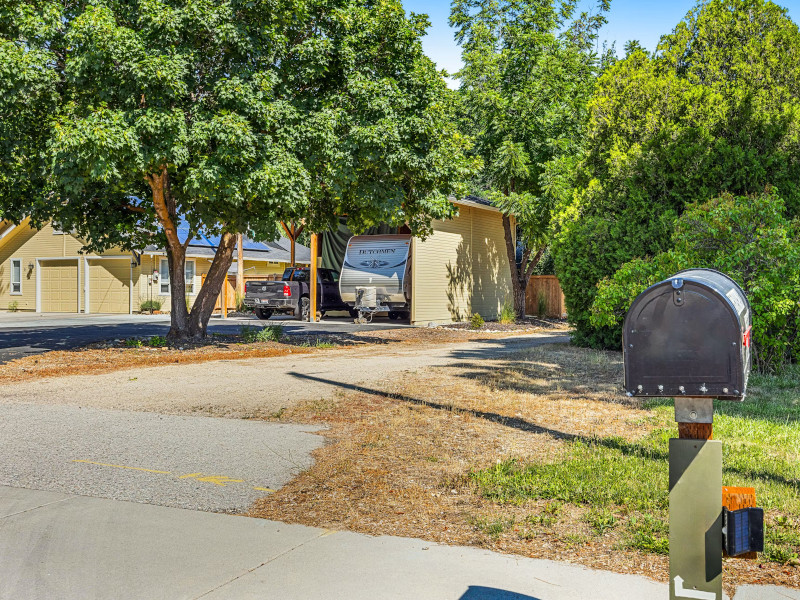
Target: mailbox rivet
column 725, row 390
column 682, row 389
column 630, row 345
column 693, row 415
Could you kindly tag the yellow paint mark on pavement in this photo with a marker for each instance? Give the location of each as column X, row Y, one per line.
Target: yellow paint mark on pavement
column 222, row 480
column 122, row 467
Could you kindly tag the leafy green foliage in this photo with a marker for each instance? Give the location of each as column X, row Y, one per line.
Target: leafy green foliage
column 271, row 333
column 157, row 341
column 528, row 73
column 150, row 305
column 13, row 306
column 507, row 313
column 715, row 109
column 476, row 321
column 133, row 343
column 749, row 239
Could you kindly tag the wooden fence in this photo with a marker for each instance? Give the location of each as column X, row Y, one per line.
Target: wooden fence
column 544, row 295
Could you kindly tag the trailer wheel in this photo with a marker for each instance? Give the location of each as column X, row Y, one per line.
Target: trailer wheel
column 263, row 313
column 393, row 316
column 303, row 309
column 353, row 313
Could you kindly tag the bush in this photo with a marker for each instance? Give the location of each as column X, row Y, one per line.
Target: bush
column 476, row 321
column 13, row 306
column 712, row 111
column 157, row 341
column 507, row 314
column 271, row 333
column 150, row 305
column 749, row 239
column 541, row 304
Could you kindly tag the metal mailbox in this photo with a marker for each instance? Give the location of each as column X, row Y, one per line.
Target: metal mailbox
column 689, row 335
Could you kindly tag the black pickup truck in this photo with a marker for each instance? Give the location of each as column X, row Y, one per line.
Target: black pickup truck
column 291, row 294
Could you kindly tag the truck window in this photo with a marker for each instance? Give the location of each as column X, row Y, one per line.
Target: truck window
column 287, row 274
column 300, row 275
column 328, row 276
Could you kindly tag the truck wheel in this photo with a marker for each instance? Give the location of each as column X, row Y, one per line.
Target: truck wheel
column 263, row 313
column 303, row 309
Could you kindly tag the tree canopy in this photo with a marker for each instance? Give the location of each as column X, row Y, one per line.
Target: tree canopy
column 528, row 73
column 715, row 109
column 117, row 119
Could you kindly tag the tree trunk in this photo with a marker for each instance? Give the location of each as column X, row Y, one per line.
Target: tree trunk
column 176, row 254
column 239, row 269
column 520, row 274
column 518, row 288
column 215, row 279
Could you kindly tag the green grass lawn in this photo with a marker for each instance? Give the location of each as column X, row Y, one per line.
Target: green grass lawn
column 624, row 483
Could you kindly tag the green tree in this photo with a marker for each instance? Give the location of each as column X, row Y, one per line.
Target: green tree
column 715, row 109
column 528, row 73
column 118, row 119
column 747, row 237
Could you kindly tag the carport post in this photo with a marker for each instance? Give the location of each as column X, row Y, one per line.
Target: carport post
column 312, row 312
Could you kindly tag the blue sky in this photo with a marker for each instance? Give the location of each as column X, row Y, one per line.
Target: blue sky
column 643, row 20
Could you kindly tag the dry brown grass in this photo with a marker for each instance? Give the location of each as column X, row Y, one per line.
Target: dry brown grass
column 400, row 454
column 108, row 357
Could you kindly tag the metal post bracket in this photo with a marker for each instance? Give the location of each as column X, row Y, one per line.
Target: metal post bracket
column 694, row 410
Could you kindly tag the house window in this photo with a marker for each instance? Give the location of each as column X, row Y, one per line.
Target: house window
column 16, row 276
column 189, row 271
column 189, row 275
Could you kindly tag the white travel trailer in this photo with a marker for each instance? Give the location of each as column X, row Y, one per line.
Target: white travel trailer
column 376, row 275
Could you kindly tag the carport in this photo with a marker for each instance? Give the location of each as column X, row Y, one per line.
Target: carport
column 460, row 269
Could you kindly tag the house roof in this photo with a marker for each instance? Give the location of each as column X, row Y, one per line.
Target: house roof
column 205, row 246
column 475, row 201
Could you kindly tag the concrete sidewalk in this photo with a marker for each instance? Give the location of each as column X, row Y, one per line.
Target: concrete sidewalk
column 55, row 545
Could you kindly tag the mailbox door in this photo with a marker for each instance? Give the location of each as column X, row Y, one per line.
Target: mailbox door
column 689, row 344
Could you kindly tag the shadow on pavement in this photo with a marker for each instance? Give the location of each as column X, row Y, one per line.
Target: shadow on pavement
column 478, row 592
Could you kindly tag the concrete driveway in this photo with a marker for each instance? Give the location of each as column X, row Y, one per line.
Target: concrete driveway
column 22, row 334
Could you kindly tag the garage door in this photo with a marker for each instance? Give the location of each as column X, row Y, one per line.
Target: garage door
column 109, row 286
column 59, row 280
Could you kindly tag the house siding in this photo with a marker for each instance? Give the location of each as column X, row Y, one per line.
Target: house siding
column 32, row 245
column 460, row 269
column 147, row 290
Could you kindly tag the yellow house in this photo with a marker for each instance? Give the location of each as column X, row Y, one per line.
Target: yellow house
column 44, row 271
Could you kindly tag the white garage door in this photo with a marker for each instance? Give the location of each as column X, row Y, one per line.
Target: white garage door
column 109, row 286
column 59, row 281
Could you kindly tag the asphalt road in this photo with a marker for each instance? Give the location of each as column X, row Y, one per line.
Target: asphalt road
column 22, row 335
column 199, row 463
